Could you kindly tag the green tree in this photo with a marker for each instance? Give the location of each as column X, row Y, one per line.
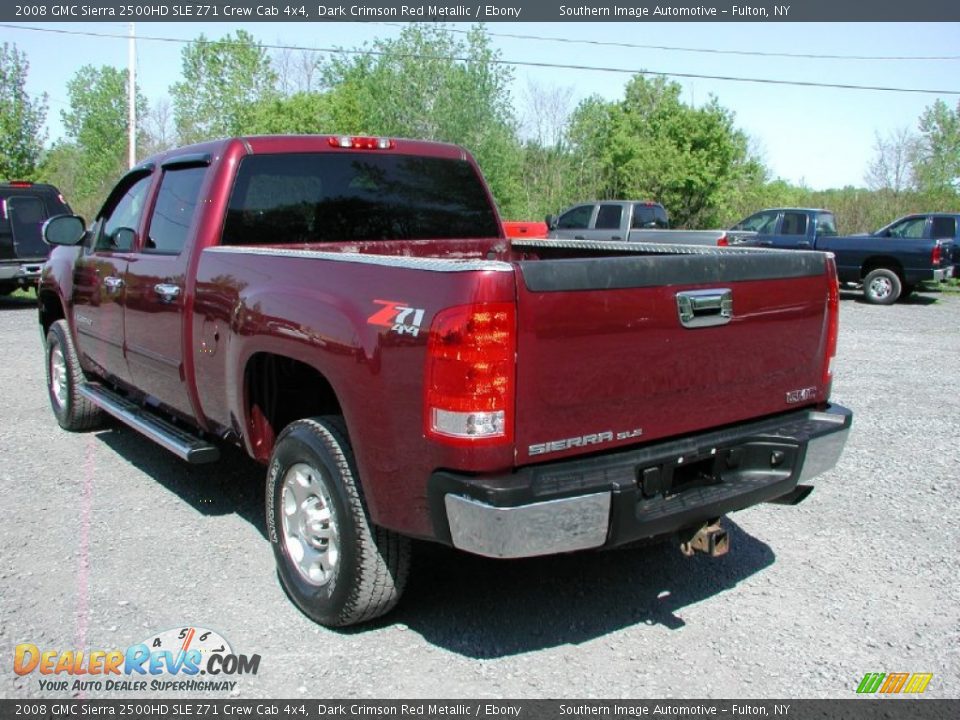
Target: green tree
column 652, row 145
column 223, row 82
column 96, row 127
column 937, row 160
column 300, row 113
column 21, row 118
column 432, row 85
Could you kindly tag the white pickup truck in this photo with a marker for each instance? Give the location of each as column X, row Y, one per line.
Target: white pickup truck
column 626, row 220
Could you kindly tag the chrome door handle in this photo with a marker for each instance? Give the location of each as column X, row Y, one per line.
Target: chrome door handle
column 113, row 284
column 167, row 292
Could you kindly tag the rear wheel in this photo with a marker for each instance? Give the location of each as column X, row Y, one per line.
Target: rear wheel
column 337, row 566
column 882, row 287
column 64, row 379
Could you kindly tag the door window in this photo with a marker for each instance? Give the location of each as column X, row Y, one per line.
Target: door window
column 123, row 217
column 174, row 210
column 577, row 218
column 909, row 228
column 608, row 217
column 794, row 223
column 763, row 223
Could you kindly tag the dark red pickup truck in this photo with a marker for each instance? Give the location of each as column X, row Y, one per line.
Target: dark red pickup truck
column 349, row 311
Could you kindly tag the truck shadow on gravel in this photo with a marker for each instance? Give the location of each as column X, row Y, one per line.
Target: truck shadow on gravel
column 485, row 609
column 233, row 485
column 479, row 607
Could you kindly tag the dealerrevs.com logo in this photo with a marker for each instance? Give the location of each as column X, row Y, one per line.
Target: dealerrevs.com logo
column 188, row 659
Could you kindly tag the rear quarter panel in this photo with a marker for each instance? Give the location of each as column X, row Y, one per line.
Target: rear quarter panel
column 319, row 313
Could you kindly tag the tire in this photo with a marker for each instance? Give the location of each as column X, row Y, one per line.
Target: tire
column 882, row 287
column 337, row 567
column 64, row 378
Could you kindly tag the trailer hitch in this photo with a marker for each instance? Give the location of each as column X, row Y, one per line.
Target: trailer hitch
column 710, row 539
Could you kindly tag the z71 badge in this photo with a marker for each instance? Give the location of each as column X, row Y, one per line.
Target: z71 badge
column 398, row 316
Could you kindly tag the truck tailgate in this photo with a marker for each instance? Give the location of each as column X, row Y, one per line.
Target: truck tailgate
column 605, row 359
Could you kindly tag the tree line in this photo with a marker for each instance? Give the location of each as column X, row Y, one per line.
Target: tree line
column 430, row 83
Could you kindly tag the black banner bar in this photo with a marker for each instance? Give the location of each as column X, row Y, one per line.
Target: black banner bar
column 482, row 11
column 301, row 709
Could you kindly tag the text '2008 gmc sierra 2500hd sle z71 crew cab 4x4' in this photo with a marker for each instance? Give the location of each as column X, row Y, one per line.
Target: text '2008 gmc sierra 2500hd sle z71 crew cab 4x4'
column 348, row 311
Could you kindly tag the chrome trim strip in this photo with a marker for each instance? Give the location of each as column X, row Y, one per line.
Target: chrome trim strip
column 412, row 263
column 640, row 248
column 542, row 528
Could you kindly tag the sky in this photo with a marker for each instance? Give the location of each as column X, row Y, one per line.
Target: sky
column 821, row 137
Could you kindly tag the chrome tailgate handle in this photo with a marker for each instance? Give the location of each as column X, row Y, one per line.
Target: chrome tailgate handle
column 705, row 308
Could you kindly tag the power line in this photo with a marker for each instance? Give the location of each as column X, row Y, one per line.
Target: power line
column 512, row 63
column 712, row 51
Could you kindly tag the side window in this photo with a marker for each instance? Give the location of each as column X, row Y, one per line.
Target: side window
column 909, row 228
column 123, row 217
column 763, row 223
column 577, row 218
column 174, row 210
column 944, row 228
column 826, row 225
column 794, row 223
column 608, row 217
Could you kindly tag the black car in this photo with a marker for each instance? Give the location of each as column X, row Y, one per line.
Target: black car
column 24, row 207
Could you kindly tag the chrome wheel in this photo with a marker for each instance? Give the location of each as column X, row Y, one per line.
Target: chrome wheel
column 310, row 524
column 881, row 287
column 58, row 375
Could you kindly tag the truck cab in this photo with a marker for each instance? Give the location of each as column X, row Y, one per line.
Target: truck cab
column 796, row 228
column 607, row 220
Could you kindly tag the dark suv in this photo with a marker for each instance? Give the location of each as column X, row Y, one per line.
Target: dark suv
column 24, row 207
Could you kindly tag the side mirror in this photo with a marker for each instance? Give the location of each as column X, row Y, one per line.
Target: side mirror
column 551, row 221
column 64, row 230
column 123, row 239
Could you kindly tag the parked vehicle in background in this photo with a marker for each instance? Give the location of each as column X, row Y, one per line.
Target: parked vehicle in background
column 524, row 229
column 628, row 221
column 348, row 311
column 24, row 207
column 888, row 264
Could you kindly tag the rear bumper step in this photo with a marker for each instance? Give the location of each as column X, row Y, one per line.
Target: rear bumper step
column 620, row 497
column 181, row 443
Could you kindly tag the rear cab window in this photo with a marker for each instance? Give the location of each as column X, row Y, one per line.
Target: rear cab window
column 356, row 196
column 649, row 216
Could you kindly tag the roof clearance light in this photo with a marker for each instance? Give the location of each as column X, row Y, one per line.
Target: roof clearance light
column 21, row 183
column 360, row 143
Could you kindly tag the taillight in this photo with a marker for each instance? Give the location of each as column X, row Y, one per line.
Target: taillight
column 360, row 143
column 470, row 377
column 723, row 241
column 833, row 326
column 935, row 256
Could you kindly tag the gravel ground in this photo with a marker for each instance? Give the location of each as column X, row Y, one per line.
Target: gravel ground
column 106, row 539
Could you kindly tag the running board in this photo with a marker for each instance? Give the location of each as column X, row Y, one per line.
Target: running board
column 181, row 443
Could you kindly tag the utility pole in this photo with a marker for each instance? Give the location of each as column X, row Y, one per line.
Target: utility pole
column 132, row 97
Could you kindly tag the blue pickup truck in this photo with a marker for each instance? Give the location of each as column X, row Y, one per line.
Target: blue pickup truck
column 888, row 264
